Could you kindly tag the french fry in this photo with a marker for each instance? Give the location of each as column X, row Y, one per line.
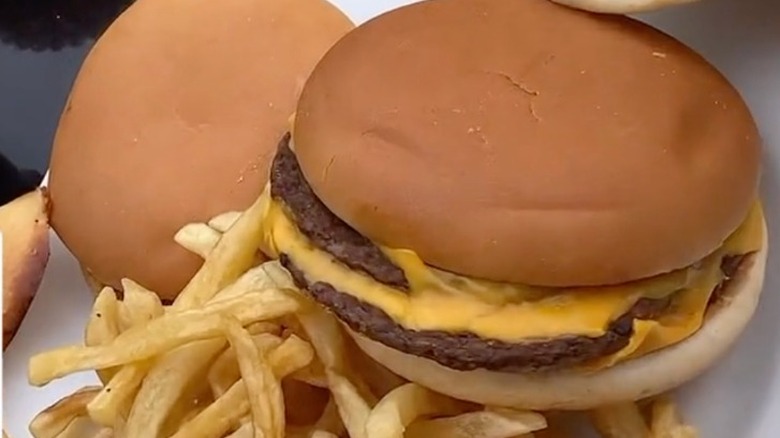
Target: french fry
column 245, row 431
column 82, row 427
column 481, row 424
column 198, row 238
column 165, row 384
column 353, row 408
column 263, row 389
column 103, row 326
column 330, row 421
column 314, row 374
column 233, row 255
column 52, row 421
column 224, row 221
column 329, row 342
column 622, row 420
column 224, row 372
column 226, row 412
column 139, row 305
column 401, row 406
column 171, row 330
column 666, row 422
column 115, row 399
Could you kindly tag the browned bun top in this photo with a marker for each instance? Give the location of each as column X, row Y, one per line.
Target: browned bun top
column 174, row 118
column 527, row 142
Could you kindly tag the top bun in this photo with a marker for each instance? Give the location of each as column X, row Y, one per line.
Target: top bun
column 483, row 136
column 174, row 118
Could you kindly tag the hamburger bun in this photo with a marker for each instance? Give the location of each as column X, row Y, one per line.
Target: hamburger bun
column 635, row 379
column 458, row 156
column 173, row 118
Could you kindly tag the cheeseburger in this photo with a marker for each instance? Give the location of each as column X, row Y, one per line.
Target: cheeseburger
column 521, row 204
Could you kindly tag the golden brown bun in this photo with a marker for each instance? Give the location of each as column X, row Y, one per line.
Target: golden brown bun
column 494, row 146
column 173, row 118
column 649, row 375
column 24, row 226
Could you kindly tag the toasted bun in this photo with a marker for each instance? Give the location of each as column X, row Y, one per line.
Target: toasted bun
column 472, row 133
column 622, row 6
column 632, row 380
column 174, row 118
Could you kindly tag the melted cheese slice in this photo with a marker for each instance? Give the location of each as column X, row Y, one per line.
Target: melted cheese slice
column 511, row 312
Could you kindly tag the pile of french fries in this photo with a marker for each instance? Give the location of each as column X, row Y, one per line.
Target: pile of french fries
column 242, row 353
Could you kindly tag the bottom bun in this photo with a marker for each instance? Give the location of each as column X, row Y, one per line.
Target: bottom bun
column 636, row 379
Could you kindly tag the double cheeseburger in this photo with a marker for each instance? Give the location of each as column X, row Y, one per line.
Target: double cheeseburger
column 521, row 204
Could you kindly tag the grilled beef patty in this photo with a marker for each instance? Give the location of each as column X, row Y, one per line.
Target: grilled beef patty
column 326, row 231
column 460, row 351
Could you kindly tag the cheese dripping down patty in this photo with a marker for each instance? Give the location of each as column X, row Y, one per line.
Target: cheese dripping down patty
column 444, row 301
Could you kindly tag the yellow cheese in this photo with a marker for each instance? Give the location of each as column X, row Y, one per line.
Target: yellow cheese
column 444, row 301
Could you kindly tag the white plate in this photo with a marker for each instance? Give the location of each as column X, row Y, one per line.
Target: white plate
column 740, row 398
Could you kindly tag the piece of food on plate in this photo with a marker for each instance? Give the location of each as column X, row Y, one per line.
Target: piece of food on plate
column 520, row 217
column 174, row 118
column 24, row 226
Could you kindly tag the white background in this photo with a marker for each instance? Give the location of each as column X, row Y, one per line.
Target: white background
column 740, row 398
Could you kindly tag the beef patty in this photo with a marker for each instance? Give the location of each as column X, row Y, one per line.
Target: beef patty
column 460, row 351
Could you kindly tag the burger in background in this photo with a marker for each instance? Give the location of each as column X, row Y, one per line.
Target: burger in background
column 518, row 217
column 174, row 118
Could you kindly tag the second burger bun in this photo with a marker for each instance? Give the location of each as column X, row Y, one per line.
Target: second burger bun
column 174, row 118
column 599, row 155
column 635, row 379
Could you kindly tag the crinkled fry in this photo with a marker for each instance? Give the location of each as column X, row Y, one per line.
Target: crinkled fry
column 170, row 331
